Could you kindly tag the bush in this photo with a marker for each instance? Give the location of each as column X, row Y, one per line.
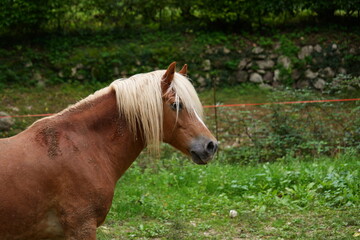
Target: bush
column 22, row 16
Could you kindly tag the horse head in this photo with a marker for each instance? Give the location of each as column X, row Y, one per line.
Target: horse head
column 183, row 126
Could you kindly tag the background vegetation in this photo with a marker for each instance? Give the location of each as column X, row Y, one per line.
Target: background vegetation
column 23, row 16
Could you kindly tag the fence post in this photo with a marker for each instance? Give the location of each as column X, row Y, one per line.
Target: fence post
column 215, row 111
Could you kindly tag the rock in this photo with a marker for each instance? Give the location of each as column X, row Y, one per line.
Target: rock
column 80, row 77
column 260, row 56
column 202, row 82
column 37, row 76
column 5, row 123
column 320, row 84
column 242, row 64
column 305, row 52
column 206, row 65
column 334, row 46
column 28, row 64
column 342, row 70
column 257, row 50
column 273, row 56
column 276, row 84
column 233, row 213
column 61, row 74
column 284, row 61
column 277, row 75
column 318, row 48
column 295, row 74
column 265, row 64
column 310, row 74
column 265, row 86
column 209, row 50
column 73, row 71
column 226, row 50
column 40, row 82
column 302, row 84
column 116, row 71
column 249, row 65
column 242, row 76
column 260, row 71
column 277, row 46
column 256, row 78
column 268, row 77
column 328, row 72
column 352, row 51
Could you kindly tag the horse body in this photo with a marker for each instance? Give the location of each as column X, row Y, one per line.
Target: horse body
column 82, row 163
column 58, row 176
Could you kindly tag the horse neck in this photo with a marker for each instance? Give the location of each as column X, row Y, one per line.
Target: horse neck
column 99, row 118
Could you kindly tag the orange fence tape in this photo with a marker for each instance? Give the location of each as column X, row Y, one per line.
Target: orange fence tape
column 222, row 105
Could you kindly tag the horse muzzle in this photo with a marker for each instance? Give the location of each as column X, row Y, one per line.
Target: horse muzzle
column 202, row 150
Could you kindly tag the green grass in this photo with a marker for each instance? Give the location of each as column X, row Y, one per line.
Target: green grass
column 293, row 199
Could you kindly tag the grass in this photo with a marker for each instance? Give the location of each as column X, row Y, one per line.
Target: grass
column 293, row 199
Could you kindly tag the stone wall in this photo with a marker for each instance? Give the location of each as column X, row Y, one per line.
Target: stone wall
column 308, row 66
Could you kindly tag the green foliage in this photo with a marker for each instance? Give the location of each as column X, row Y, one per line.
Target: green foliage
column 344, row 83
column 27, row 16
column 326, row 9
column 265, row 42
column 22, row 16
column 287, row 46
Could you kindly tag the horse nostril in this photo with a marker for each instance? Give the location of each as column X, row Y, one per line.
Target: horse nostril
column 211, row 147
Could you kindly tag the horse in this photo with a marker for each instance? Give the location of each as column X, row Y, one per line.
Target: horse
column 58, row 176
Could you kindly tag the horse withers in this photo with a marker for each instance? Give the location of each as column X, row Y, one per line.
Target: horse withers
column 57, row 177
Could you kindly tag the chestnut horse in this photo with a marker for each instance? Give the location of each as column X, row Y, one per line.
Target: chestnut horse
column 58, row 176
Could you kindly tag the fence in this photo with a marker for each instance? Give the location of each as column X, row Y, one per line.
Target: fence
column 268, row 131
column 272, row 130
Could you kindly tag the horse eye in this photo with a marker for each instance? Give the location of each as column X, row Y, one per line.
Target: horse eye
column 176, row 106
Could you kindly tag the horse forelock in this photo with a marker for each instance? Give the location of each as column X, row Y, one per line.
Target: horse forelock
column 139, row 99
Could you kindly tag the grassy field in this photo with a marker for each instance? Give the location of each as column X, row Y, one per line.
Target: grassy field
column 292, row 199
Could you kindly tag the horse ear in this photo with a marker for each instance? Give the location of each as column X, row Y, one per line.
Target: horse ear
column 183, row 71
column 168, row 77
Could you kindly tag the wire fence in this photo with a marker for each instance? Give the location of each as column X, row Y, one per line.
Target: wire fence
column 271, row 130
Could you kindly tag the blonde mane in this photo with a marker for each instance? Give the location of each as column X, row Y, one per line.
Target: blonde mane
column 139, row 99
